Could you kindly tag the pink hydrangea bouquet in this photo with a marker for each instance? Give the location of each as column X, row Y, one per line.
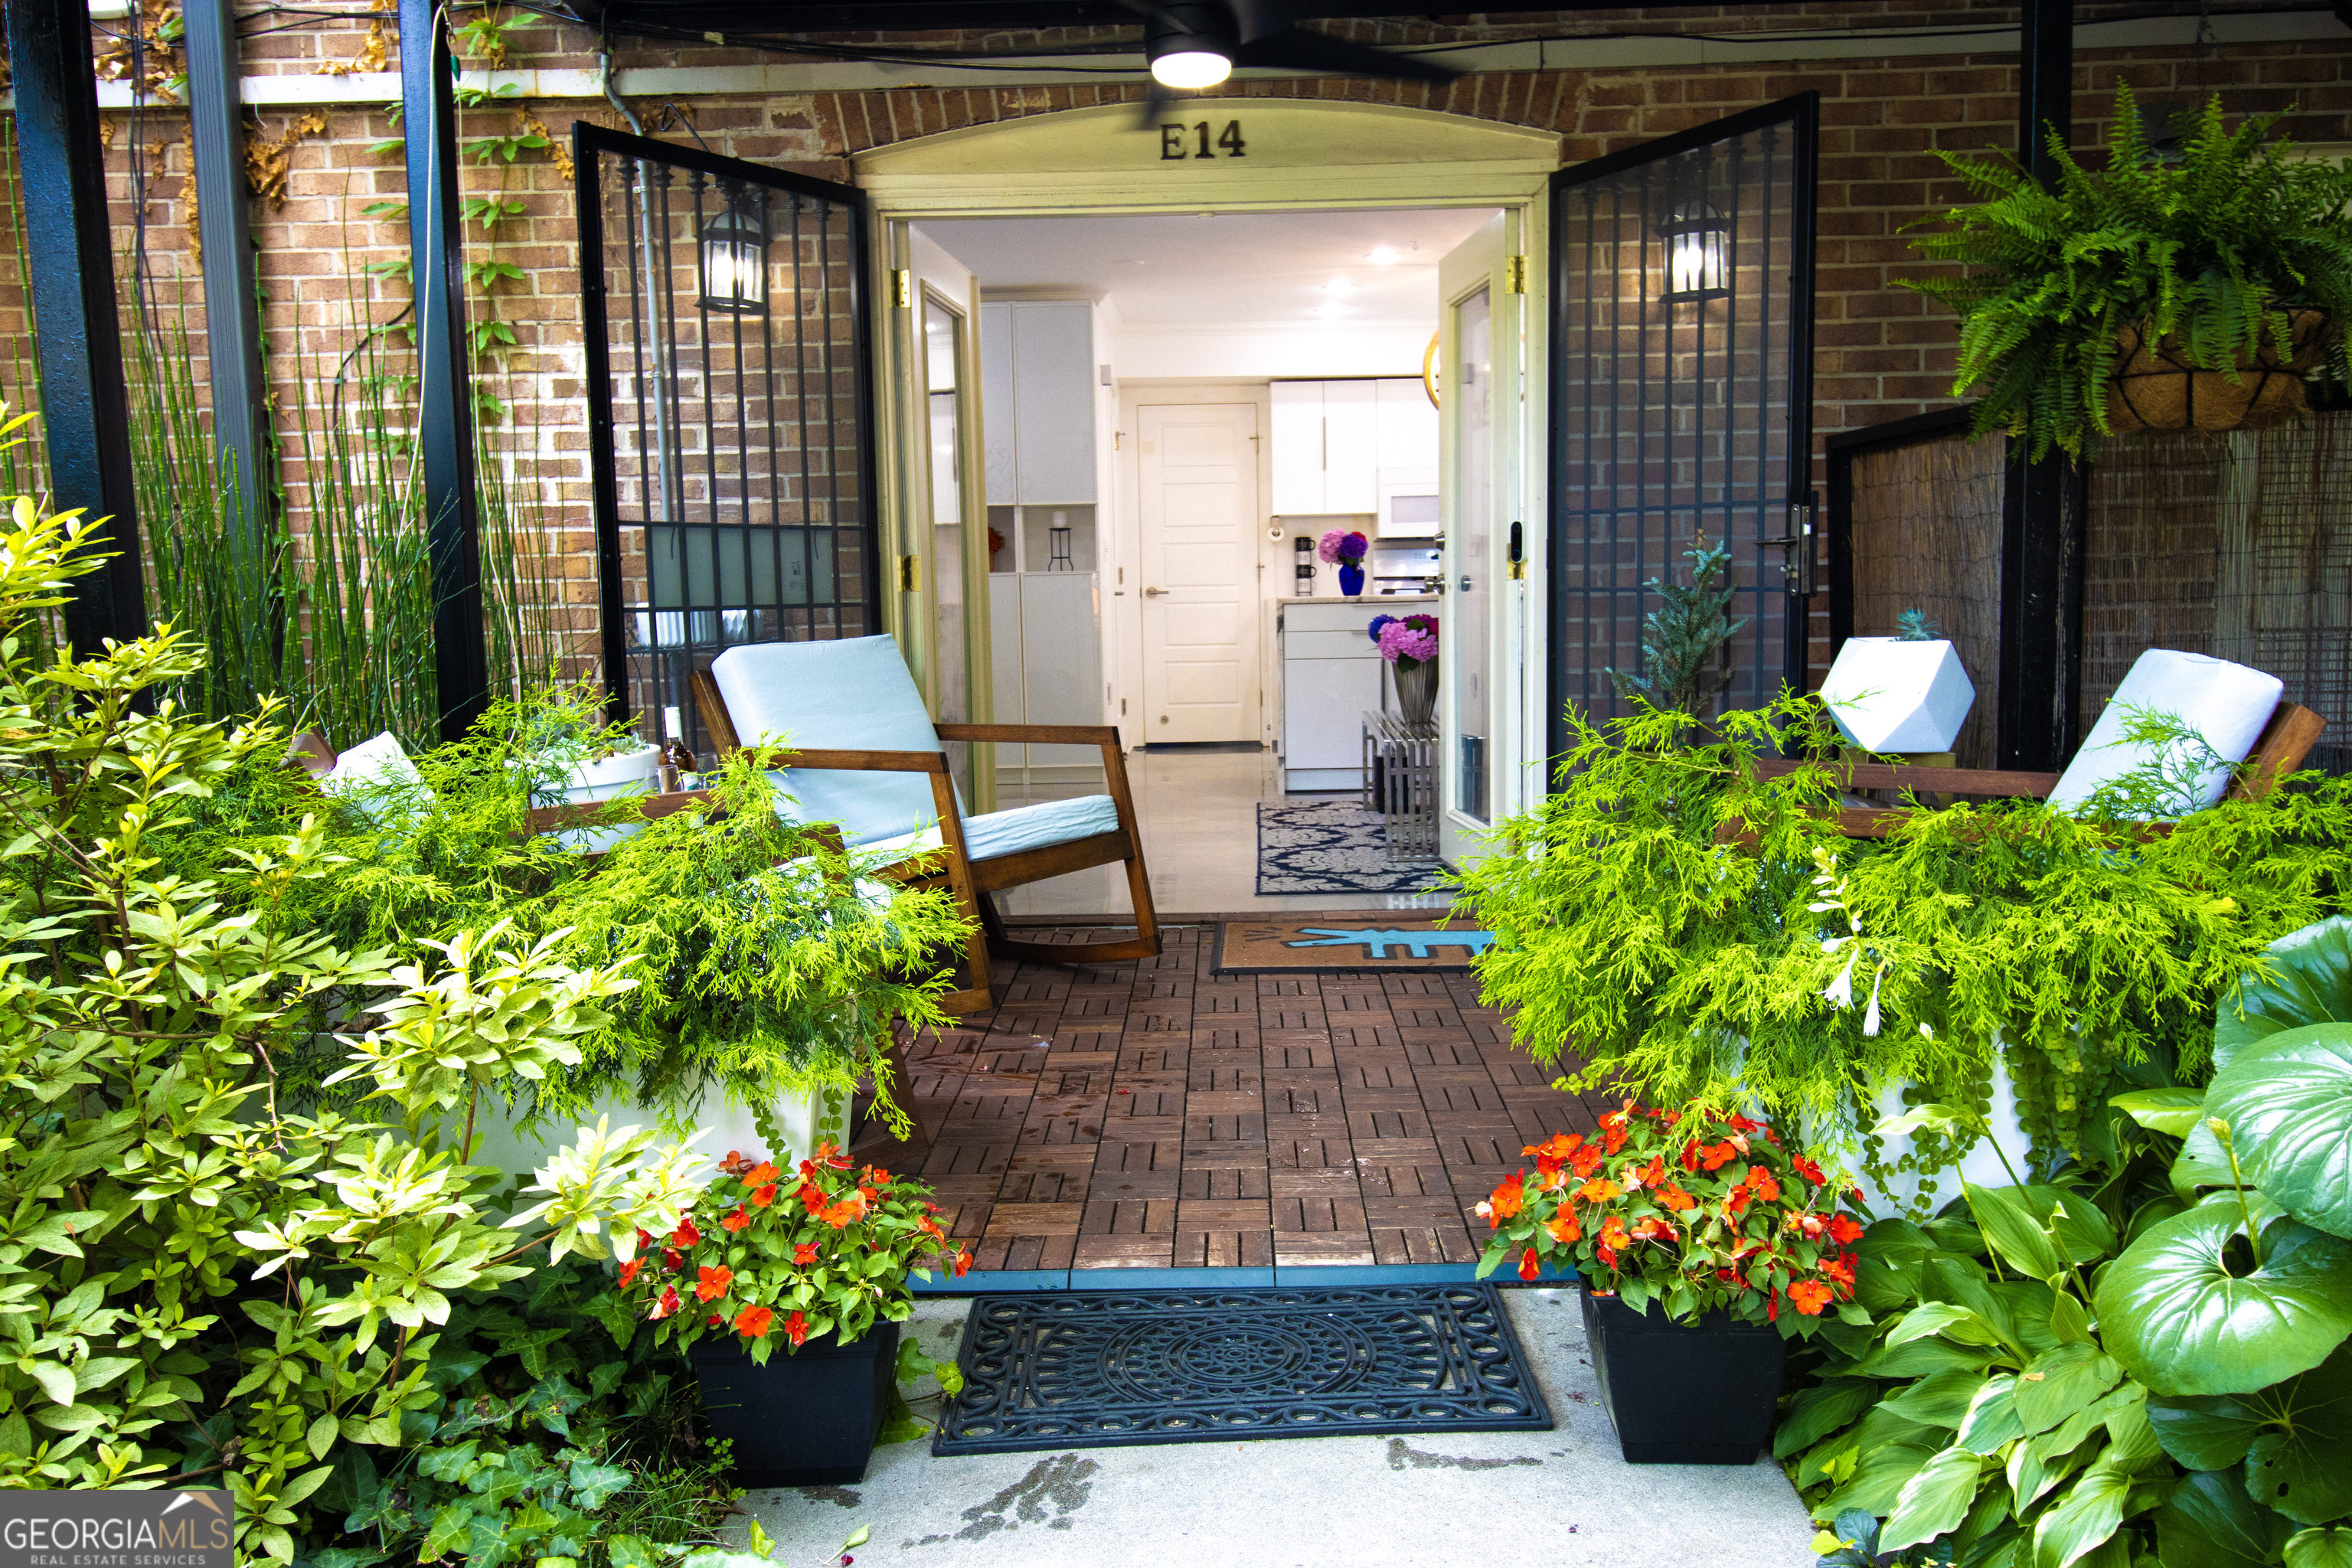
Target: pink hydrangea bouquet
column 1346, row 549
column 1408, row 642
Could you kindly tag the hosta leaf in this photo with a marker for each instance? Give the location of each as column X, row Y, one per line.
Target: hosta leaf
column 1821, row 1410
column 2209, row 1521
column 2320, row 1547
column 2310, row 983
column 2082, row 1519
column 2302, row 1465
column 1992, row 1420
column 1933, row 1501
column 1879, row 1479
column 2210, row 1433
column 2014, row 1229
column 2059, row 1382
column 1939, row 1401
column 2169, row 1111
column 2177, row 1318
column 2288, row 1102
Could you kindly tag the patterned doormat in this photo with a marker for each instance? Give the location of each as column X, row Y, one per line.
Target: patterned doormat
column 1103, row 1369
column 1334, row 847
column 1348, row 939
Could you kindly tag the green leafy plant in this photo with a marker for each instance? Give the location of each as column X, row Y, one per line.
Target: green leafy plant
column 1695, row 932
column 2193, row 1293
column 1700, row 1209
column 198, row 1280
column 1917, row 626
column 1686, row 640
column 2209, row 249
column 831, row 1253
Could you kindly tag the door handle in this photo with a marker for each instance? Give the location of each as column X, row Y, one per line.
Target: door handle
column 1154, row 592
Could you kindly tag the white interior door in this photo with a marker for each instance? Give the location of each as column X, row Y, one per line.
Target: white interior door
column 1197, row 535
column 1481, row 424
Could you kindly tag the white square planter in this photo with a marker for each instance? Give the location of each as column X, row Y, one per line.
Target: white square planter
column 725, row 1126
column 1890, row 695
column 604, row 780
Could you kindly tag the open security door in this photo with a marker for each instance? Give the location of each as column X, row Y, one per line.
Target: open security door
column 1682, row 403
column 730, row 409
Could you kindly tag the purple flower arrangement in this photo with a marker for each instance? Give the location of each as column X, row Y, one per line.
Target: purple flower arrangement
column 1408, row 641
column 1345, row 549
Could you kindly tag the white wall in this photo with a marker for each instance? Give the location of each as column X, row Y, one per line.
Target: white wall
column 1311, row 350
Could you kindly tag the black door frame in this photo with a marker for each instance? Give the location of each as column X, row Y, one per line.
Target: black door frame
column 1802, row 112
column 587, row 142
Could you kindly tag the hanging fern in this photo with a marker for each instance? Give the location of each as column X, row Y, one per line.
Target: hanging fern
column 2209, row 247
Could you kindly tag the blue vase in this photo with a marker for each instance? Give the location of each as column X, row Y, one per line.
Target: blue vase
column 1351, row 581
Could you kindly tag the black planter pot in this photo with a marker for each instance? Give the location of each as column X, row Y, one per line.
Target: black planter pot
column 1700, row 1393
column 802, row 1420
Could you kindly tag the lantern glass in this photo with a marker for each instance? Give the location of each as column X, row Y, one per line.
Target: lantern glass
column 734, row 259
column 1699, row 253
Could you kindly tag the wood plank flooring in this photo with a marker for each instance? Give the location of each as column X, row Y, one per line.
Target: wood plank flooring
column 1152, row 1115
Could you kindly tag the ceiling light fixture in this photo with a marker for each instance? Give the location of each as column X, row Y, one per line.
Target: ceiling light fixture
column 1385, row 256
column 1326, row 311
column 1190, row 45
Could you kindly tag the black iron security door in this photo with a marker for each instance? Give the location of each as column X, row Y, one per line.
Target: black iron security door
column 1682, row 400
column 731, row 402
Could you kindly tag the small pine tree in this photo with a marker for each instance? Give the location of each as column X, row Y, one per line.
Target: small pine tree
column 1686, row 640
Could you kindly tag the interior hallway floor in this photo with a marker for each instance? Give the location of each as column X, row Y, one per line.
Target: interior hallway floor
column 1199, row 811
column 1154, row 1115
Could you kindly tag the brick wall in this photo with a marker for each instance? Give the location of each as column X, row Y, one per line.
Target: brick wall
column 1882, row 351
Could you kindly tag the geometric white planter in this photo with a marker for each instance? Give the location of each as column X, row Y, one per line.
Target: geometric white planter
column 606, row 779
column 1888, row 694
column 1982, row 1165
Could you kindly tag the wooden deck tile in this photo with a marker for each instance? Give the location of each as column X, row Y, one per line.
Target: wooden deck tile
column 1151, row 1114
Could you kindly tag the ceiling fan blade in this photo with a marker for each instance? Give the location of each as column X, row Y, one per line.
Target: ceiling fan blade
column 1154, row 104
column 1320, row 54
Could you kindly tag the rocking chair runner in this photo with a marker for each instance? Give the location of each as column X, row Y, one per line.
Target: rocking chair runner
column 835, row 714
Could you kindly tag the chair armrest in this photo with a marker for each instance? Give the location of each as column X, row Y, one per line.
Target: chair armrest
column 854, row 761
column 1043, row 734
column 2006, row 781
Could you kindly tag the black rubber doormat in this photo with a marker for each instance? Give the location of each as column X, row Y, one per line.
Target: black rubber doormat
column 1103, row 1369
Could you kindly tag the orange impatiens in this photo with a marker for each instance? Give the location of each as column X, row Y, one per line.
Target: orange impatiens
column 832, row 1260
column 1697, row 1207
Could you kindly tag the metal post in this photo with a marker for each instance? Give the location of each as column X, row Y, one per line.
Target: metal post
column 2038, row 595
column 232, row 317
column 445, row 412
column 85, row 411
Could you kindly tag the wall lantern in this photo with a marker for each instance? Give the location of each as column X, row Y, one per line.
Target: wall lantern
column 734, row 260
column 1699, row 253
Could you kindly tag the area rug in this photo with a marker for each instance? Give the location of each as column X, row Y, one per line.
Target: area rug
column 1347, row 940
column 1104, row 1369
column 1333, row 847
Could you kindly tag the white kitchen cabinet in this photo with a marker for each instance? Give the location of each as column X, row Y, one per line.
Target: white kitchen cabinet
column 1330, row 677
column 1046, row 634
column 1332, row 439
column 1037, row 376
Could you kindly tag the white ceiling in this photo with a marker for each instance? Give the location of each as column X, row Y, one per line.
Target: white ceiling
column 1230, row 269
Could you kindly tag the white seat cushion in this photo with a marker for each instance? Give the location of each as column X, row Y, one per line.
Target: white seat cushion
column 2226, row 704
column 1001, row 833
column 853, row 694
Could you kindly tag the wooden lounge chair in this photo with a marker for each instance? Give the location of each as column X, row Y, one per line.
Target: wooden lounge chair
column 834, row 715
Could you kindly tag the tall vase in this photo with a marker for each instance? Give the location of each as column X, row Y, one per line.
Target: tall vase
column 1417, row 689
column 1351, row 581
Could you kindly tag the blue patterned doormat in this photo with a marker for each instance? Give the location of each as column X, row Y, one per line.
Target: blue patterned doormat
column 1102, row 1369
column 1349, row 939
column 1335, row 846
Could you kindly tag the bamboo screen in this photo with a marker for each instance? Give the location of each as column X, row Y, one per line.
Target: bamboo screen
column 1926, row 535
column 2238, row 546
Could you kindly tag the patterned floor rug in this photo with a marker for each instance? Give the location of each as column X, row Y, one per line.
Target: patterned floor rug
column 1381, row 939
column 1097, row 1369
column 1334, row 847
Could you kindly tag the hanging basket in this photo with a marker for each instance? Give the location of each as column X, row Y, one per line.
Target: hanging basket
column 2158, row 387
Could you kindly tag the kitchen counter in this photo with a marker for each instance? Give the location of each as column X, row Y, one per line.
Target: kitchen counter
column 1381, row 599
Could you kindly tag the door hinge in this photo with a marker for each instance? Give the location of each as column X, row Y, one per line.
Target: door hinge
column 908, row 578
column 904, row 280
column 1514, row 275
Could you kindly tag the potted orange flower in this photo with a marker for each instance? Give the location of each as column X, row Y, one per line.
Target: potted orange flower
column 815, row 1262
column 1738, row 1240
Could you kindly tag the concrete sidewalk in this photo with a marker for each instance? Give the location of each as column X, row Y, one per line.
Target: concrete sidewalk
column 1466, row 1499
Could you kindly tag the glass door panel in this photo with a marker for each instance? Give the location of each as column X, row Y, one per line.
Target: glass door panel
column 1466, row 641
